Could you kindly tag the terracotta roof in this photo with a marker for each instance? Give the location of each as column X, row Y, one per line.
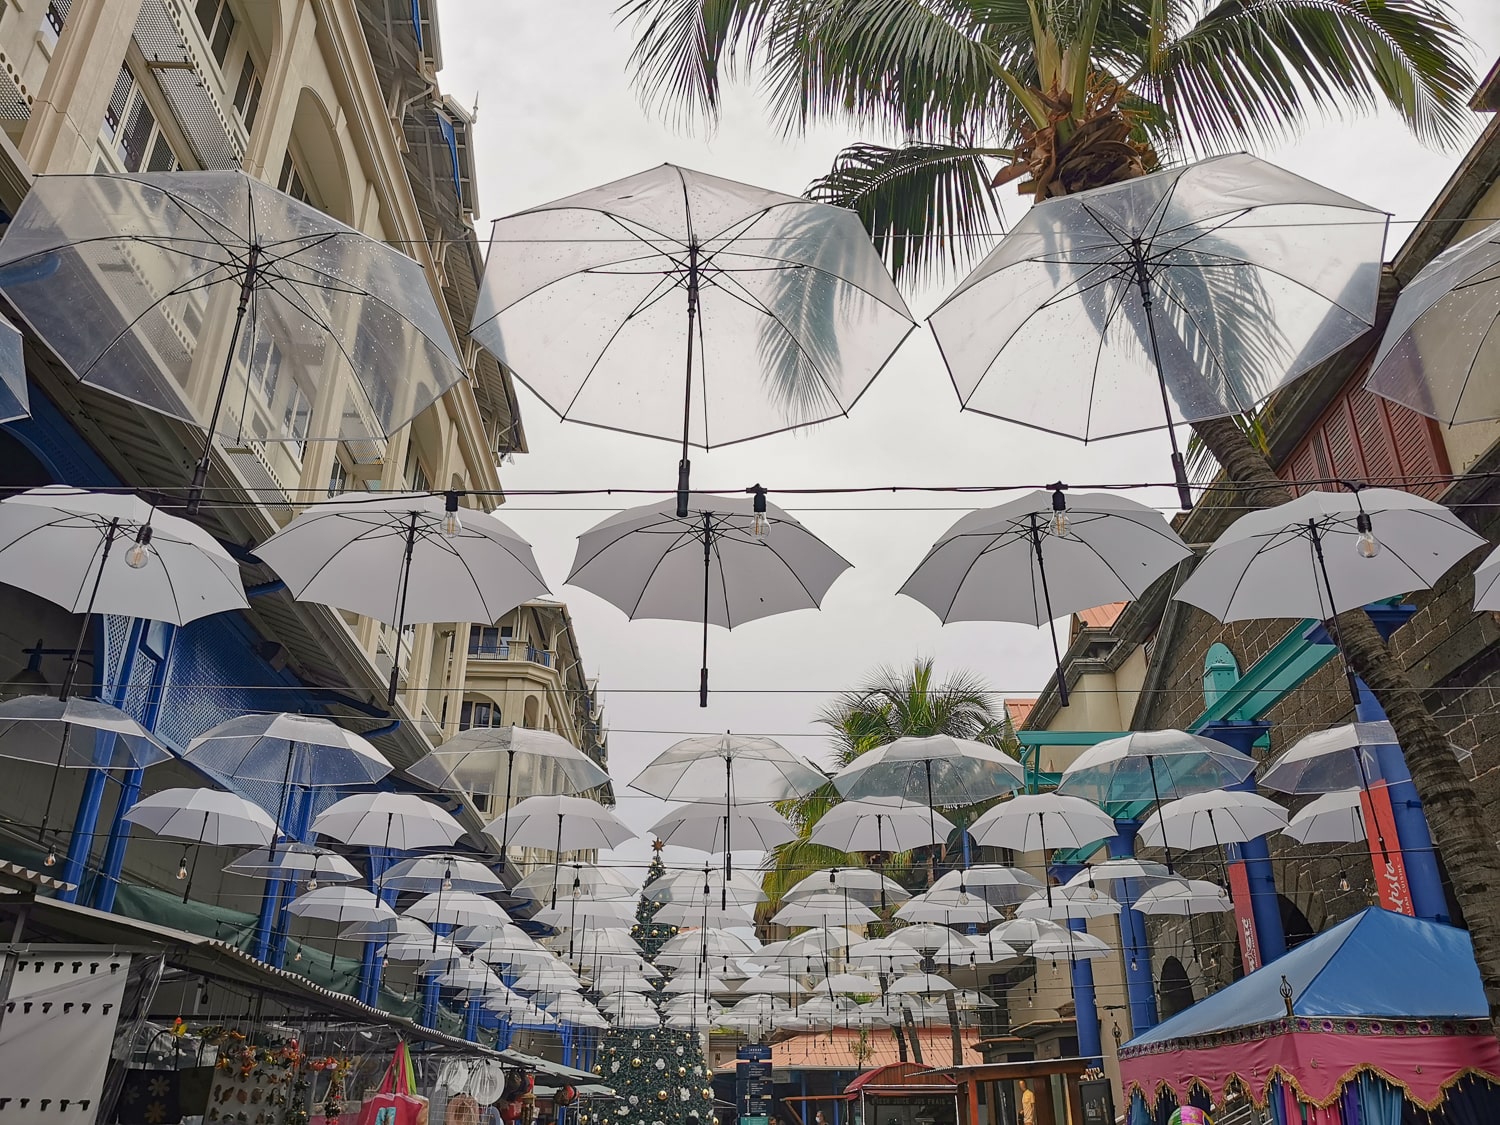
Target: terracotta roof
column 1101, row 617
column 839, row 1050
column 1017, row 710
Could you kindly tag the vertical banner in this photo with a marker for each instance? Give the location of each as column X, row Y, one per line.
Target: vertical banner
column 56, row 1034
column 1385, row 850
column 1244, row 916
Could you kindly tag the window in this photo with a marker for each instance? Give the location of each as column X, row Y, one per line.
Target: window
column 476, row 713
column 129, row 123
column 490, row 640
column 291, row 181
column 217, row 22
column 338, row 478
column 247, row 93
column 416, row 476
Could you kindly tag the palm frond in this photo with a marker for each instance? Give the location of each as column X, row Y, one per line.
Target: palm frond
column 906, row 195
column 685, row 48
column 1258, row 69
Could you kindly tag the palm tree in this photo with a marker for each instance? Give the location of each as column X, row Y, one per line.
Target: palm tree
column 1065, row 95
column 891, row 704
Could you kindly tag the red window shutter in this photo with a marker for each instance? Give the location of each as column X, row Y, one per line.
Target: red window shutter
column 1372, row 434
column 1419, row 448
column 1338, row 436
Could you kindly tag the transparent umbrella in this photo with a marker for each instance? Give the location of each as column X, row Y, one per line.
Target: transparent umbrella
column 704, row 827
column 201, row 816
column 678, row 305
column 317, row 304
column 1188, row 294
column 15, row 400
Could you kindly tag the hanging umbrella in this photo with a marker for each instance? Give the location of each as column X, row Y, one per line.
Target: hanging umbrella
column 1187, row 294
column 587, row 915
column 822, row 909
column 939, row 769
column 441, row 872
column 581, row 880
column 701, row 827
column 878, row 824
column 1184, row 897
column 417, row 947
column 725, row 561
column 1340, row 757
column 1024, row 932
column 15, row 399
column 455, row 908
column 709, row 942
column 99, row 552
column 1039, row 558
column 813, row 944
column 926, row 936
column 1112, row 871
column 773, row 984
column 707, row 914
column 314, row 297
column 35, row 728
column 703, row 886
column 1152, row 766
column 1035, row 822
column 291, row 751
column 340, row 905
column 1327, row 552
column 295, row 862
column 785, row 312
column 404, row 560
column 1207, row 820
column 947, row 907
column 858, row 883
column 995, row 883
column 1439, row 344
column 386, row 929
column 920, row 984
column 1487, row 584
column 201, row 816
column 1068, row 945
column 1062, row 903
column 544, row 821
column 749, row 769
column 470, row 762
column 1333, row 818
column 400, row 822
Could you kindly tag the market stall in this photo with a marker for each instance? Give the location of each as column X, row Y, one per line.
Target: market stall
column 1379, row 1013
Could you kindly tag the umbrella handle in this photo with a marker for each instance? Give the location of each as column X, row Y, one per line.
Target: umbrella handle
column 200, row 471
column 1041, row 568
column 411, row 540
column 708, row 542
column 88, row 614
column 684, row 466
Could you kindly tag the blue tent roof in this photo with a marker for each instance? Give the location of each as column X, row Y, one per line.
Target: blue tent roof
column 1375, row 964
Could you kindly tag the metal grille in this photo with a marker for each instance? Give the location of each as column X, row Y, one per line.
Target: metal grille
column 13, row 103
column 185, row 87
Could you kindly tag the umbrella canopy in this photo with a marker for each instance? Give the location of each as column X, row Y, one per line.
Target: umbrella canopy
column 925, row 936
column 404, row 560
column 920, row 984
column 589, row 916
column 206, row 816
column 1441, row 337
column 1153, row 766
column 1184, row 897
column 703, row 886
column 1039, row 557
column 1333, row 818
column 15, row 399
column 783, row 316
column 297, row 862
column 879, row 824
column 724, row 561
column 756, row 770
column 1487, row 584
column 340, row 904
column 286, row 750
column 399, row 821
column 387, row 929
column 704, row 914
column 549, row 820
column 1024, row 932
column 455, row 908
column 820, row 909
column 711, row 942
column 995, row 883
column 1187, row 294
column 1035, row 822
column 1067, row 903
column 859, row 883
column 1112, row 871
column 1209, row 820
column 582, row 880
column 939, row 770
column 428, row 873
column 773, row 984
column 317, row 300
column 947, row 907
column 701, row 827
column 1068, row 945
column 415, row 947
column 1341, row 757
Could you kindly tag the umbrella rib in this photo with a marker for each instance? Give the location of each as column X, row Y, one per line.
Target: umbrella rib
column 641, row 306
column 1232, row 263
column 1166, row 290
column 651, row 575
column 1099, row 356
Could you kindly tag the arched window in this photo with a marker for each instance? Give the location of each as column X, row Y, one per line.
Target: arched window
column 1176, row 989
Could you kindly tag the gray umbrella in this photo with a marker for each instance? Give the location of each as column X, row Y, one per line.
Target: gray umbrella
column 313, row 297
column 1041, row 556
column 730, row 560
column 1188, row 294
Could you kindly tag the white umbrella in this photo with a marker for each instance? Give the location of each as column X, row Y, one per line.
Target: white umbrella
column 705, row 914
column 997, row 884
column 417, row 947
column 386, row 929
column 441, row 873
column 814, row 943
column 820, row 909
column 721, row 560
column 602, row 914
column 340, row 905
column 201, row 816
column 879, row 824
column 982, row 949
column 1040, row 557
column 1119, row 870
column 1184, row 897
column 1207, row 820
column 1068, row 902
column 297, row 862
column 98, row 552
column 926, row 936
column 1068, row 945
column 773, row 984
column 398, row 821
column 460, row 972
column 1333, row 818
column 470, row 762
column 404, row 560
column 701, row 827
column 1327, row 552
column 1487, row 584
column 1035, row 822
column 1023, row 932
column 949, row 907
column 859, row 883
column 545, row 820
column 582, row 880
column 713, row 942
column 703, row 886
column 920, row 984
column 455, row 908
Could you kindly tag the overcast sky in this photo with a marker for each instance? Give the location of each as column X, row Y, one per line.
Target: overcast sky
column 556, row 115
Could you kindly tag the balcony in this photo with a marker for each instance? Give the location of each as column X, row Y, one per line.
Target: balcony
column 512, row 650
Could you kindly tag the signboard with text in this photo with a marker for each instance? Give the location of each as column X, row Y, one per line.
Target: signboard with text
column 753, row 1083
column 1244, row 916
column 1391, row 887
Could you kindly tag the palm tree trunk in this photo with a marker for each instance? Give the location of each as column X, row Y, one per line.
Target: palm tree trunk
column 1457, row 821
column 958, row 1040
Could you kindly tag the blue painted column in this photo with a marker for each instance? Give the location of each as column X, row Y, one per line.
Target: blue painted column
column 300, row 818
column 86, row 820
column 130, row 785
column 1140, row 989
column 370, row 968
column 1085, row 1004
column 471, row 1021
column 432, row 991
column 1270, row 936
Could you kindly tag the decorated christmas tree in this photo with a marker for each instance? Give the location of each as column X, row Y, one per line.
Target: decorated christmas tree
column 658, row 1074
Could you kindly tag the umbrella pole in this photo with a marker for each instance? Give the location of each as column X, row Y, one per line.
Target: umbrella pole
column 88, row 614
column 556, row 860
column 1332, row 622
column 411, row 542
column 728, row 813
column 1364, row 780
column 286, row 786
column 708, row 543
column 193, row 870
column 684, row 466
column 62, row 755
column 1156, row 792
column 510, row 771
column 931, row 820
column 1041, row 828
column 200, row 471
column 880, row 864
column 1041, row 566
column 1179, row 468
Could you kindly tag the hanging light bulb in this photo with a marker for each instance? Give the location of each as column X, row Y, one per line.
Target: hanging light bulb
column 448, row 879
column 297, row 956
column 1059, row 511
column 51, row 860
column 140, row 551
column 1343, row 880
column 760, row 525
column 1133, row 964
column 182, row 868
column 1366, row 543
column 312, row 882
column 452, row 525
